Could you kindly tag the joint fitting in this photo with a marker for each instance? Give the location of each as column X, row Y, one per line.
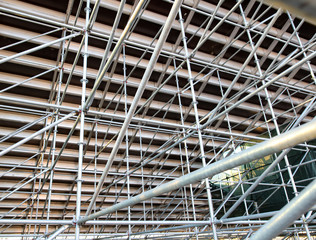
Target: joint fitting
column 84, row 80
column 85, row 30
column 191, row 55
column 85, row 54
column 268, row 97
column 82, row 143
column 87, row 9
column 86, row 109
column 195, row 102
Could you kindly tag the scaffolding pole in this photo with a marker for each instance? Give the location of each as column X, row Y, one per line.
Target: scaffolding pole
column 229, row 75
column 288, row 214
column 301, row 134
column 138, row 95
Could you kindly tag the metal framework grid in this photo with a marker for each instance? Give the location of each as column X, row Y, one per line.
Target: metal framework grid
column 156, row 119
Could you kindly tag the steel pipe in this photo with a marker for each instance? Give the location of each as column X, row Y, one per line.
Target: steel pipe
column 301, row 134
column 288, row 214
column 246, row 62
column 113, row 54
column 110, row 41
column 288, row 70
column 95, row 113
column 270, row 167
column 140, row 90
column 99, row 222
column 38, row 48
column 237, row 220
column 59, row 231
column 82, row 121
column 197, row 123
column 36, row 133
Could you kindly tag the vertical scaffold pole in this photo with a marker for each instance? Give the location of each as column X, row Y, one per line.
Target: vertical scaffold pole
column 55, row 131
column 82, row 119
column 197, row 120
column 185, row 150
column 126, row 142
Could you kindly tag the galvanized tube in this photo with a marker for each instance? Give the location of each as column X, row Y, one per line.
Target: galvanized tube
column 136, row 99
column 288, row 214
column 38, row 48
column 197, row 123
column 243, row 220
column 110, row 41
column 96, row 113
column 35, row 134
column 114, row 52
column 246, row 62
column 289, row 139
column 82, row 122
column 59, row 231
column 276, row 78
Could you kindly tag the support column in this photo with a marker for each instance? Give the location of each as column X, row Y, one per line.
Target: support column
column 55, row 132
column 197, row 120
column 82, row 119
column 186, row 151
column 126, row 143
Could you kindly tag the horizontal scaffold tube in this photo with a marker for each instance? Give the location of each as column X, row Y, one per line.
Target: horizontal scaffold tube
column 97, row 113
column 244, row 220
column 289, row 139
column 38, row 48
column 5, row 151
column 100, row 222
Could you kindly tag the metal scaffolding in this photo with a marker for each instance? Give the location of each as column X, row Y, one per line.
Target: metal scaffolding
column 157, row 119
